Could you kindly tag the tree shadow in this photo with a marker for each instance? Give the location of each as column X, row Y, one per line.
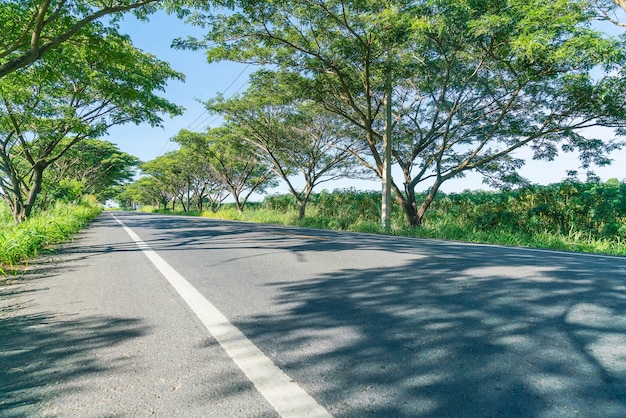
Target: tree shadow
column 42, row 356
column 452, row 334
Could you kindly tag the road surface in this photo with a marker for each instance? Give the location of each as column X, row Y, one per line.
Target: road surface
column 146, row 315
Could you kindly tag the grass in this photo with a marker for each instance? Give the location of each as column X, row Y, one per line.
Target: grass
column 41, row 231
column 575, row 242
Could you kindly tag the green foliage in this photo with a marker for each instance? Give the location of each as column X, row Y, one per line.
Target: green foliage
column 291, row 136
column 99, row 166
column 31, row 29
column 19, row 242
column 232, row 160
column 66, row 190
column 593, row 209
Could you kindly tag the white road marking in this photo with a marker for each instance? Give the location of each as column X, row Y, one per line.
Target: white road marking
column 286, row 396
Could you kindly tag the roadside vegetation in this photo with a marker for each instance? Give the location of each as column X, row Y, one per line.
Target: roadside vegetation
column 41, row 231
column 570, row 216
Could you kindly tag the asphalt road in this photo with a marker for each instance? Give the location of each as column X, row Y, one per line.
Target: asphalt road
column 366, row 326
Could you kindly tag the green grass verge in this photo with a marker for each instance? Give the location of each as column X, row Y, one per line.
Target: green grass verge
column 41, row 231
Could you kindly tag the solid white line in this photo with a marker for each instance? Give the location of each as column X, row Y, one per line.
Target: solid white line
column 286, row 396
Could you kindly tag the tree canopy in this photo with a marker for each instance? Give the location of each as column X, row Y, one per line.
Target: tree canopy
column 232, row 159
column 303, row 144
column 98, row 166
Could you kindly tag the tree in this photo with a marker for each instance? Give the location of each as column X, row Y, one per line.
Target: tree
column 206, row 184
column 172, row 174
column 298, row 139
column 98, row 165
column 30, row 29
column 491, row 82
column 341, row 49
column 233, row 160
column 472, row 82
column 146, row 191
column 182, row 175
column 76, row 92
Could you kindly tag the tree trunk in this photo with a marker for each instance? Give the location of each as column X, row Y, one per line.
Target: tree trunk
column 415, row 216
column 410, row 210
column 188, row 195
column 200, row 204
column 432, row 193
column 19, row 214
column 301, row 209
column 406, row 201
column 239, row 205
column 214, row 203
column 23, row 210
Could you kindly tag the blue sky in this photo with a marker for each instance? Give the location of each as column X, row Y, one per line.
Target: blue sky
column 204, row 81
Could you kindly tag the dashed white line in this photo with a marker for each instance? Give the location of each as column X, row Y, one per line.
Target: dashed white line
column 286, row 396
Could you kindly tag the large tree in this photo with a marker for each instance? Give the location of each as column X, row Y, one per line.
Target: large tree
column 76, row 92
column 173, row 174
column 147, row 190
column 233, row 160
column 470, row 82
column 184, row 175
column 206, row 185
column 303, row 144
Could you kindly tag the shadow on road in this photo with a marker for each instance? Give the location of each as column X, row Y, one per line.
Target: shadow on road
column 452, row 334
column 460, row 330
column 44, row 355
column 41, row 356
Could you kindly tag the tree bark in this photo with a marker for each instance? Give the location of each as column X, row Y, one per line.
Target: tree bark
column 410, row 208
column 301, row 209
column 432, row 193
column 23, row 209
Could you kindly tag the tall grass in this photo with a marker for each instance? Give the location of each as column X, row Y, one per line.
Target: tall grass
column 477, row 217
column 19, row 242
